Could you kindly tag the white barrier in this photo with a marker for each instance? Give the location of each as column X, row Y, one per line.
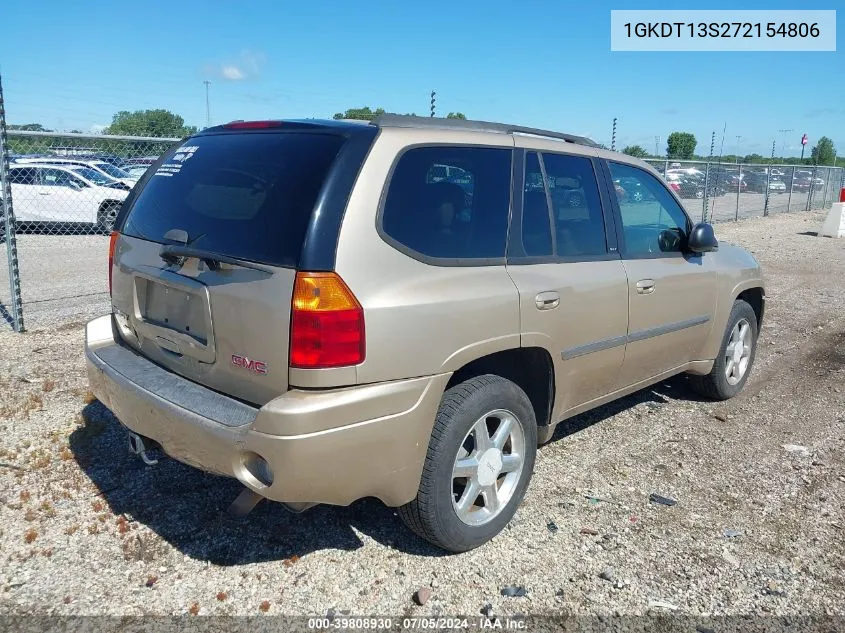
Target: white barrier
column 834, row 224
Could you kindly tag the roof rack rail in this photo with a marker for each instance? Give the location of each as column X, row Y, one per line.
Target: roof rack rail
column 401, row 120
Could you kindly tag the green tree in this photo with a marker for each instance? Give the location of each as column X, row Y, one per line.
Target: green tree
column 636, row 151
column 823, row 152
column 360, row 114
column 681, row 145
column 149, row 123
column 30, row 127
column 456, row 115
column 753, row 158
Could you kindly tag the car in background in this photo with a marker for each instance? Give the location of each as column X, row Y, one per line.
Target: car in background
column 64, row 194
column 758, row 181
column 104, row 167
column 136, row 171
column 695, row 187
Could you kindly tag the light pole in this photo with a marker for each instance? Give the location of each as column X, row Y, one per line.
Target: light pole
column 783, row 139
column 738, row 136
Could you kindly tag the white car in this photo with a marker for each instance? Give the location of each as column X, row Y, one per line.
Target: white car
column 66, row 194
column 104, row 167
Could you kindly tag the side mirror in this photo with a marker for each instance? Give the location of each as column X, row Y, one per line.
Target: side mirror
column 702, row 239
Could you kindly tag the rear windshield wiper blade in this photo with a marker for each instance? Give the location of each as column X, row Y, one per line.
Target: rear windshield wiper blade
column 172, row 253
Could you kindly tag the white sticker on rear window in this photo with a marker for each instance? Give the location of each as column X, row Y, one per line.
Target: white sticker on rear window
column 174, row 165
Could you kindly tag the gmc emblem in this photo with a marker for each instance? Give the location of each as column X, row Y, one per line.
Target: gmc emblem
column 255, row 366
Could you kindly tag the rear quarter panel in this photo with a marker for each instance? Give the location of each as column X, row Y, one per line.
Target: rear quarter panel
column 420, row 319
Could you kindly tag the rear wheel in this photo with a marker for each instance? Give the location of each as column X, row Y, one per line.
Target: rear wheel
column 736, row 356
column 479, row 462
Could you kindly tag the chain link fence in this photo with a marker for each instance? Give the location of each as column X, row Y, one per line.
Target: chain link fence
column 64, row 191
column 718, row 192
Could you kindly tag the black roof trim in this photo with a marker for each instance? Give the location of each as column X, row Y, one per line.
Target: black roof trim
column 399, row 120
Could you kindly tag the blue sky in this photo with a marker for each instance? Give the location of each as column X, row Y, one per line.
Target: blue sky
column 541, row 63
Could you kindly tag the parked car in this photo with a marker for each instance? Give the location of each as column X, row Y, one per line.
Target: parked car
column 136, row 171
column 695, row 187
column 757, row 182
column 294, row 305
column 66, row 194
column 101, row 166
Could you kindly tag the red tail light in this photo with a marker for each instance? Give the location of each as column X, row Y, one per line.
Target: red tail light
column 112, row 241
column 327, row 323
column 842, row 195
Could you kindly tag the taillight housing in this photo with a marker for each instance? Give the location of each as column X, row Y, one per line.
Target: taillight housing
column 112, row 242
column 326, row 323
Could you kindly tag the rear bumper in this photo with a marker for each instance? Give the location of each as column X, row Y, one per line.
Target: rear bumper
column 327, row 446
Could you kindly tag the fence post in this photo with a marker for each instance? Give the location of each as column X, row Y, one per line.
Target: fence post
column 826, row 187
column 766, row 199
column 810, row 192
column 9, row 222
column 791, row 186
column 738, row 189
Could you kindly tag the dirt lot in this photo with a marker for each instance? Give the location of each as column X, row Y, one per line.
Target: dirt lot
column 86, row 528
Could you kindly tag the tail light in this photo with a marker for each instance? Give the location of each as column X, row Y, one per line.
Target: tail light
column 112, row 241
column 842, row 195
column 675, row 186
column 327, row 323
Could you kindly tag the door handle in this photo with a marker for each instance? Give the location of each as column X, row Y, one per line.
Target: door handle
column 547, row 300
column 41, row 193
column 645, row 286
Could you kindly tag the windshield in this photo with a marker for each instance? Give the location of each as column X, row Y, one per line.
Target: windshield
column 92, row 175
column 112, row 170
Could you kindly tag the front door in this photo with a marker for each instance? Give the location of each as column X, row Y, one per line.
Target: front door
column 671, row 293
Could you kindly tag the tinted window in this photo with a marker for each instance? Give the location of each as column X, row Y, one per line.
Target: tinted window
column 450, row 202
column 248, row 195
column 652, row 221
column 576, row 205
column 23, row 176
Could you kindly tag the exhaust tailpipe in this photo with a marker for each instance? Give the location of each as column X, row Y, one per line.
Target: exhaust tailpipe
column 139, row 446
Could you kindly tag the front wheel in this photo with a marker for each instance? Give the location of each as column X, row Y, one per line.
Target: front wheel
column 736, row 356
column 479, row 462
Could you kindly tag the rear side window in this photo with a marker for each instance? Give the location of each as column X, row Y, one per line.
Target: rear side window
column 450, row 202
column 248, row 196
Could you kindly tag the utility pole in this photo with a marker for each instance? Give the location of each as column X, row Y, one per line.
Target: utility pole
column 774, row 141
column 783, row 139
column 613, row 137
column 207, row 105
column 738, row 136
column 656, row 146
column 712, row 144
column 433, row 94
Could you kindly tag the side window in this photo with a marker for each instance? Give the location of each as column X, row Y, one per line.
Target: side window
column 576, row 205
column 23, row 176
column 55, row 177
column 450, row 202
column 652, row 221
column 536, row 225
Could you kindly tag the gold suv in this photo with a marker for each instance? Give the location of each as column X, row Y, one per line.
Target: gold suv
column 405, row 309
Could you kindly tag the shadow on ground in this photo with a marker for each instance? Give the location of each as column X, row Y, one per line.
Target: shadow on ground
column 187, row 508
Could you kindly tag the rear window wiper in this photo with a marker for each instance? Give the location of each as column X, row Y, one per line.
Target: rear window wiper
column 171, row 253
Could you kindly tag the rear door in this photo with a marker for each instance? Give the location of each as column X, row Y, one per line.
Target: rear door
column 205, row 266
column 562, row 257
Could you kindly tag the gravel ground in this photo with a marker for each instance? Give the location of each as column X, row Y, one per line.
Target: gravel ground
column 757, row 529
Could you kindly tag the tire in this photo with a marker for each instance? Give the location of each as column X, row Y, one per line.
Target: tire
column 434, row 514
column 717, row 385
column 106, row 216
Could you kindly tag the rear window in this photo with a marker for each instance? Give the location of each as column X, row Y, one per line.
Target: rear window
column 248, row 195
